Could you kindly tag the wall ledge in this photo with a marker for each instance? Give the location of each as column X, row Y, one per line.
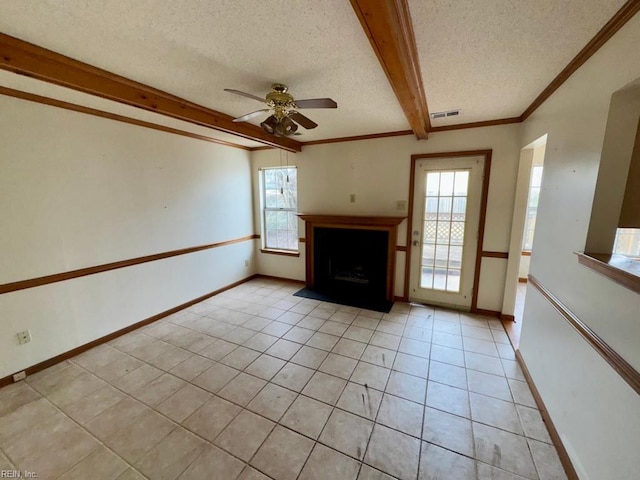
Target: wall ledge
column 619, row 268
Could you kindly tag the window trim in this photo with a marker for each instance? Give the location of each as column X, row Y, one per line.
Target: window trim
column 263, row 212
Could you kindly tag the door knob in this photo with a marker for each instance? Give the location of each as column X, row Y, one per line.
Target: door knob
column 416, row 243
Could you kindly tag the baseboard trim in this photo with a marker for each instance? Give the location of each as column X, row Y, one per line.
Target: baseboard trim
column 507, row 318
column 280, row 279
column 553, row 433
column 397, row 298
column 486, row 313
column 522, row 280
column 107, row 338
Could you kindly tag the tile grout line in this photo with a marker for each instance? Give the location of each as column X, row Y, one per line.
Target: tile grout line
column 176, row 424
column 334, row 407
column 241, row 371
column 424, row 409
column 369, row 344
column 366, row 449
column 298, row 394
column 100, row 442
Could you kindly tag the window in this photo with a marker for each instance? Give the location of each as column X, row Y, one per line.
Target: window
column 279, row 189
column 532, row 207
column 627, row 242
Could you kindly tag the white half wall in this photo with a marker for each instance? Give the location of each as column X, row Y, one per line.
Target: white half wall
column 377, row 171
column 79, row 191
column 594, row 411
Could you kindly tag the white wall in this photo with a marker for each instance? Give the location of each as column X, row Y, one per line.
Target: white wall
column 78, row 191
column 377, row 172
column 595, row 412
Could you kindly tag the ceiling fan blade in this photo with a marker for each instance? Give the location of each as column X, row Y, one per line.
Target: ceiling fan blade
column 316, row 103
column 251, row 115
column 302, row 120
column 248, row 95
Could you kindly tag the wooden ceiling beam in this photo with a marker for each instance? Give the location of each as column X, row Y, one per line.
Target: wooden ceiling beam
column 387, row 24
column 31, row 60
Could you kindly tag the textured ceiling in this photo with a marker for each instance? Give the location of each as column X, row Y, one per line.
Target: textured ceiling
column 489, row 58
column 493, row 58
column 195, row 48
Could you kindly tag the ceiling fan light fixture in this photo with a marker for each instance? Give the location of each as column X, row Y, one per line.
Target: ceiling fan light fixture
column 283, row 106
column 286, row 126
column 270, row 125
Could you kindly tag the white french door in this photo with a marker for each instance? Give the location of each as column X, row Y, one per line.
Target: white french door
column 446, row 212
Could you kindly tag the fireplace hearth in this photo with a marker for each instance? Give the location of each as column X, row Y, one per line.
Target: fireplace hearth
column 351, row 260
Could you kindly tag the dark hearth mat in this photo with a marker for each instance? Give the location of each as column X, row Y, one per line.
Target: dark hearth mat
column 377, row 306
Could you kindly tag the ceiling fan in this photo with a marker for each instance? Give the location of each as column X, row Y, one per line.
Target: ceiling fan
column 285, row 118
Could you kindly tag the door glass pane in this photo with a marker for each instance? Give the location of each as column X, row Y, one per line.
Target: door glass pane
column 444, row 208
column 459, row 208
column 440, row 279
column 461, row 183
column 443, row 226
column 428, row 255
column 431, row 208
column 426, row 279
column 442, row 255
column 446, row 183
column 430, row 232
column 457, row 233
column 433, row 182
column 455, row 257
column 453, row 280
column 443, row 233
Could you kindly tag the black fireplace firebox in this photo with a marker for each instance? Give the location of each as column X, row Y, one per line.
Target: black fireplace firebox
column 351, row 259
column 351, row 264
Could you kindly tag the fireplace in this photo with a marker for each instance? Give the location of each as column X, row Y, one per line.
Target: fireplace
column 351, row 259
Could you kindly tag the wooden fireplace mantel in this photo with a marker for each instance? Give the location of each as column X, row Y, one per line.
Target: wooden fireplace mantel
column 388, row 224
column 351, row 220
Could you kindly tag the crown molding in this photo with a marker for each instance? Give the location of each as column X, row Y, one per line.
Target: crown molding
column 32, row 97
column 24, row 58
column 621, row 17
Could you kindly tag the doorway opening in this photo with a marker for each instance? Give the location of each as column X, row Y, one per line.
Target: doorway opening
column 529, row 184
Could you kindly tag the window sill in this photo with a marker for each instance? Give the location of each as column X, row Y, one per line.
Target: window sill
column 286, row 253
column 619, row 268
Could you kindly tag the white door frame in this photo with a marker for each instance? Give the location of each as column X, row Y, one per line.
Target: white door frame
column 481, row 223
column 517, row 225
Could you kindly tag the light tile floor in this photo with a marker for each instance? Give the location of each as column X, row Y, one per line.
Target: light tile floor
column 255, row 383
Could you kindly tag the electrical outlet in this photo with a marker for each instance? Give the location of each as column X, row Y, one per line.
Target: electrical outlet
column 24, row 337
column 401, row 205
column 19, row 376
